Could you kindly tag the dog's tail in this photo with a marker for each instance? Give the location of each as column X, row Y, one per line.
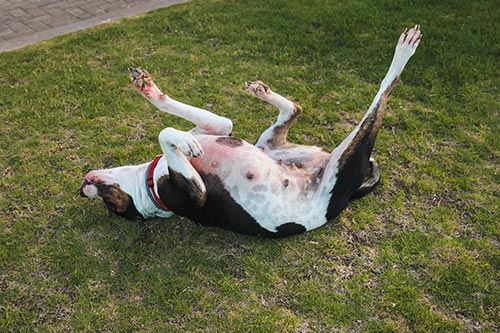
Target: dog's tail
column 370, row 182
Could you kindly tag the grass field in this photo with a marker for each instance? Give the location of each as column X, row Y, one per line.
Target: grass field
column 420, row 254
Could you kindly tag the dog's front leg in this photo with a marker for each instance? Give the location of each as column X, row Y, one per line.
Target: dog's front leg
column 183, row 189
column 206, row 122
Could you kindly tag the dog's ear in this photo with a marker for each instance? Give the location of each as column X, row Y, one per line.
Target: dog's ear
column 118, row 201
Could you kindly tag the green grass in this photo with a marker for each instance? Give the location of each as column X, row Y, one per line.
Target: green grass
column 420, row 254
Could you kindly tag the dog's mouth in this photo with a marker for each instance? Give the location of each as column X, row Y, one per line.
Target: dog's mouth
column 85, row 191
column 90, row 188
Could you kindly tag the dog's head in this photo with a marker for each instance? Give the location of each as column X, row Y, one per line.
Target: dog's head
column 116, row 187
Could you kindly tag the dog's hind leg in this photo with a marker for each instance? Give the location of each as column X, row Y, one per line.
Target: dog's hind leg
column 371, row 180
column 276, row 135
column 206, row 122
column 349, row 171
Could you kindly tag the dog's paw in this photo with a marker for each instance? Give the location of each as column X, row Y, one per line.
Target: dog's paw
column 190, row 147
column 259, row 89
column 143, row 83
column 185, row 142
column 408, row 41
column 140, row 78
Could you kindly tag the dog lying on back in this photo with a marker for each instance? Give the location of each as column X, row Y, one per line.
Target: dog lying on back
column 272, row 189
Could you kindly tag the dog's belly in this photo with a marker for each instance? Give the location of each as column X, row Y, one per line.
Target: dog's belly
column 272, row 193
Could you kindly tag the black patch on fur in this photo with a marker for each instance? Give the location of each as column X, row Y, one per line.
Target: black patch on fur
column 175, row 190
column 353, row 166
column 118, row 202
column 370, row 183
column 229, row 141
column 217, row 209
column 290, row 228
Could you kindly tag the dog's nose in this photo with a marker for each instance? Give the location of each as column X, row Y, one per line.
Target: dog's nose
column 81, row 190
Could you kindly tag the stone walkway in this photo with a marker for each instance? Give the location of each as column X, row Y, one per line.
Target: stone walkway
column 24, row 22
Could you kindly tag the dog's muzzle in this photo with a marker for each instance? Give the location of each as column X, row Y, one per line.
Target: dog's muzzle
column 85, row 183
column 87, row 192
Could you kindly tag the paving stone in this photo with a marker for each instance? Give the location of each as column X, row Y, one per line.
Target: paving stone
column 35, row 12
column 4, row 4
column 17, row 12
column 38, row 25
column 20, row 28
column 5, row 30
column 79, row 13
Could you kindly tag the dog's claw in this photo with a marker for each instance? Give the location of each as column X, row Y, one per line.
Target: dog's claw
column 133, row 72
column 141, row 79
column 408, row 42
column 258, row 89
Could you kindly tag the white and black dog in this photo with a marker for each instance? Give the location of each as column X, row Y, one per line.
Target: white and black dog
column 273, row 188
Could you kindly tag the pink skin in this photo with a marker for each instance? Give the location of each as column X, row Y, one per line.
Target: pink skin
column 93, row 178
column 144, row 84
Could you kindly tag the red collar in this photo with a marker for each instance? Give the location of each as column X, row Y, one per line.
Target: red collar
column 150, row 184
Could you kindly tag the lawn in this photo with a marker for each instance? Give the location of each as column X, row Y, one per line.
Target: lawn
column 419, row 254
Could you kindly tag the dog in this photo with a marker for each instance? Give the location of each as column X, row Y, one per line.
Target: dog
column 271, row 189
